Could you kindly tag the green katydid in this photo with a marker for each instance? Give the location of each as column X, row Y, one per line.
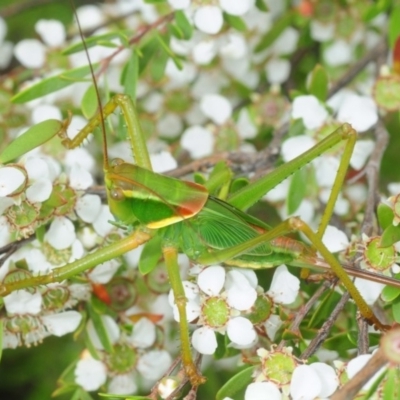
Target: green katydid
column 207, row 229
column 187, row 219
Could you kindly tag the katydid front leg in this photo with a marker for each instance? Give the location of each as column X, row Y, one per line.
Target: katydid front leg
column 59, row 274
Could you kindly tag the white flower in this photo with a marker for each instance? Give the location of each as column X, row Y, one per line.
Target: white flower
column 88, row 207
column 154, row 364
column 90, row 373
column 211, row 280
column 51, row 31
column 23, row 302
column 61, row 233
column 216, row 107
column 122, row 384
column 10, row 180
column 362, row 150
column 321, row 32
column 357, row 364
column 338, row 53
column 30, row 53
column 295, row 146
column 334, row 239
column 262, row 391
column 313, row 381
column 204, row 340
column 209, row 18
column 163, row 161
column 144, row 333
column 369, row 290
column 45, row 111
column 169, row 126
column 277, row 70
column 192, row 305
column 284, row 286
column 104, row 272
column 62, row 323
column 198, row 141
column 310, row 110
column 80, row 178
column 241, row 331
column 359, row 111
column 204, row 52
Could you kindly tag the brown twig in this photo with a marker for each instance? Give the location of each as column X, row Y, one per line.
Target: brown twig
column 295, row 325
column 326, row 327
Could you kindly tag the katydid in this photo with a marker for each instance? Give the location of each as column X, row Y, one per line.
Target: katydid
column 207, row 229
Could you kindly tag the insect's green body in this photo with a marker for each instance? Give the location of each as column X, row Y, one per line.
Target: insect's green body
column 192, row 220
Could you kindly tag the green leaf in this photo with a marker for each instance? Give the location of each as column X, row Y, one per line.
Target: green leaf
column 52, row 84
column 130, row 75
column 390, row 293
column 184, row 25
column 100, row 328
column 154, row 1
column 238, row 184
column 385, row 215
column 318, row 83
column 1, row 338
column 391, row 388
column 236, row 383
column 90, row 102
column 169, row 52
column 396, row 310
column 260, row 4
column 235, row 22
column 374, row 9
column 151, row 255
column 220, row 175
column 279, row 26
column 394, row 26
column 297, row 190
column 390, row 236
column 32, row 138
column 96, row 40
column 147, row 51
column 81, row 394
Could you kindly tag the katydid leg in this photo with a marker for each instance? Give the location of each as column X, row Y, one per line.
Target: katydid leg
column 171, row 261
column 90, row 261
column 295, row 224
column 133, row 126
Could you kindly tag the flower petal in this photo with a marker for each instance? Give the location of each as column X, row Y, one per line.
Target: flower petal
column 204, row 340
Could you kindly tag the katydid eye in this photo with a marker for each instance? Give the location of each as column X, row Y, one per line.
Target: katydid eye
column 116, row 161
column 117, row 194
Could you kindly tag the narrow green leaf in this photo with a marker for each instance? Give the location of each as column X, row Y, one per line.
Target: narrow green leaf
column 32, row 138
column 385, row 215
column 52, row 84
column 391, row 388
column 154, row 1
column 390, row 236
column 394, row 26
column 318, row 83
column 376, row 8
column 95, row 40
column 100, row 328
column 297, row 190
column 169, row 52
column 260, row 4
column 236, row 383
column 89, row 103
column 373, row 389
column 130, row 75
column 1, row 338
column 184, row 25
column 279, row 26
column 147, row 51
column 235, row 22
column 151, row 255
column 81, row 394
column 396, row 310
column 158, row 65
column 220, row 175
